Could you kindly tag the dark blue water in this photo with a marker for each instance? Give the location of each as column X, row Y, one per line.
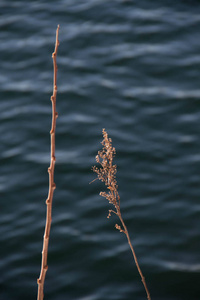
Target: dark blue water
column 131, row 67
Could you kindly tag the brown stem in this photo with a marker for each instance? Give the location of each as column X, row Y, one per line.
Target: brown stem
column 134, row 255
column 52, row 185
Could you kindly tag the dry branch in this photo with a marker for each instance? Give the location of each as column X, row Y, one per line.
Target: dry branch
column 52, row 185
column 107, row 174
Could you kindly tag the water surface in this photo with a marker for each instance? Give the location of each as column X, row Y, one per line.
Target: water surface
column 130, row 67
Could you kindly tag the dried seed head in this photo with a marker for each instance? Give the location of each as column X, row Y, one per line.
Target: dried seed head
column 107, row 172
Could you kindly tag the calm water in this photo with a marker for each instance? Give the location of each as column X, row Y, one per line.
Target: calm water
column 131, row 67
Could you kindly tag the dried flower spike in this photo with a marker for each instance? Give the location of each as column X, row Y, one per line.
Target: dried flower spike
column 107, row 174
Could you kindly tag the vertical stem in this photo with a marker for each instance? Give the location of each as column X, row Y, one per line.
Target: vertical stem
column 52, row 185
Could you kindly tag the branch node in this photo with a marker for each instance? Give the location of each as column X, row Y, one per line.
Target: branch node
column 46, row 268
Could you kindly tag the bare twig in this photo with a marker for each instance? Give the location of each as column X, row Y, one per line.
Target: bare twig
column 107, row 174
column 52, row 185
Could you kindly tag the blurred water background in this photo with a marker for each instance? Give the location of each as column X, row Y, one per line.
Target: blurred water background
column 131, row 67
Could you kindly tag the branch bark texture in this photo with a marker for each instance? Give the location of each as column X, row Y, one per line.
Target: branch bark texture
column 52, row 185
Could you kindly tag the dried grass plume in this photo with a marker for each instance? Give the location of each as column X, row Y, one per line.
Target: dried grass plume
column 107, row 174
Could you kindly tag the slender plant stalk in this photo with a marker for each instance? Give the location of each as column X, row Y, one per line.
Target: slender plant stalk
column 52, row 185
column 107, row 174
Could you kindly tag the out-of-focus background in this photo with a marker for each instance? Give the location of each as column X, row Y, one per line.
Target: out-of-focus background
column 131, row 67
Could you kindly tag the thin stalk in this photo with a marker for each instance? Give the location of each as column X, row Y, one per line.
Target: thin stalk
column 134, row 255
column 52, row 185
